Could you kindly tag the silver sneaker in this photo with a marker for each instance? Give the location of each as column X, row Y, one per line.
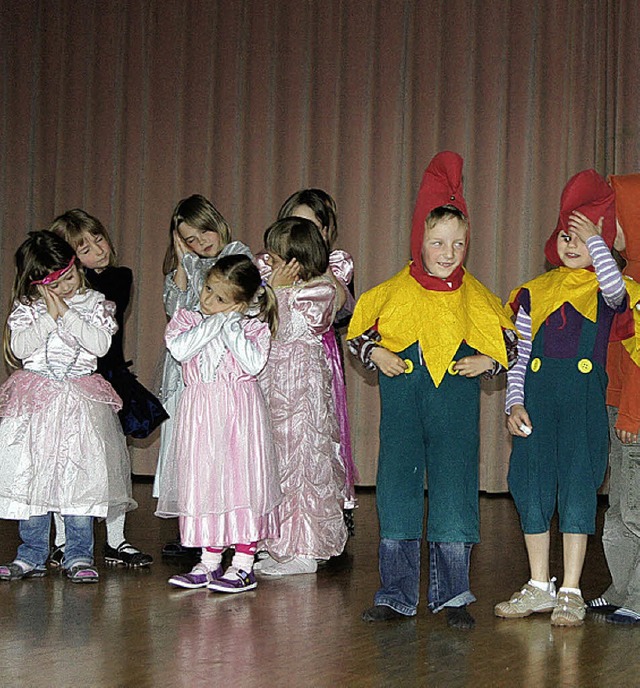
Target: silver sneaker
column 570, row 610
column 527, row 601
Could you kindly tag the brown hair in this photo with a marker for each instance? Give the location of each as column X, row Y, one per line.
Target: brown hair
column 322, row 206
column 39, row 255
column 295, row 237
column 248, row 287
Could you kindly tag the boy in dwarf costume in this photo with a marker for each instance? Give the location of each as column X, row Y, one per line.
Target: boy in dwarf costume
column 556, row 394
column 431, row 330
column 621, row 536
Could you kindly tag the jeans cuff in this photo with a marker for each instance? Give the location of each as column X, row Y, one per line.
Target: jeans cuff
column 78, row 560
column 460, row 600
column 385, row 601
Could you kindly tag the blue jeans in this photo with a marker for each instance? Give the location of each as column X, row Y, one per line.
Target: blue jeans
column 34, row 533
column 399, row 562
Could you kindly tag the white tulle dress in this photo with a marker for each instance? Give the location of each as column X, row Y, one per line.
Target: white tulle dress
column 298, row 386
column 61, row 442
column 227, row 489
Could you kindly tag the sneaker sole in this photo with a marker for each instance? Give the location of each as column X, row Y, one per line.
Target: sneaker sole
column 246, row 588
column 567, row 622
column 187, row 586
column 111, row 561
column 507, row 615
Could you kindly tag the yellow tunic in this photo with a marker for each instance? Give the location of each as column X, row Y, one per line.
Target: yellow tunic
column 579, row 288
column 407, row 313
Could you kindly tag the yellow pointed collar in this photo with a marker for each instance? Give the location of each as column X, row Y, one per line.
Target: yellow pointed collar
column 440, row 320
column 550, row 290
column 632, row 344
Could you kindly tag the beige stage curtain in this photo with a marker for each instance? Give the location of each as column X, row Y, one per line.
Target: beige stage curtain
column 123, row 107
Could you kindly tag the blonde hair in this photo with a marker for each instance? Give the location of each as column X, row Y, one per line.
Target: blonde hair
column 74, row 223
column 199, row 213
column 445, row 212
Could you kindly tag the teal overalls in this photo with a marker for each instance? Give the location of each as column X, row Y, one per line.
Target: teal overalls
column 424, row 428
column 566, row 454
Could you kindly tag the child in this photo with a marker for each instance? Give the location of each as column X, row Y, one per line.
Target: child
column 141, row 412
column 198, row 237
column 431, row 330
column 621, row 536
column 297, row 385
column 228, row 487
column 318, row 206
column 61, row 444
column 555, row 395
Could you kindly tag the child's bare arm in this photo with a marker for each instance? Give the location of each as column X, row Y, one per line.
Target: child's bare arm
column 387, row 362
column 472, row 366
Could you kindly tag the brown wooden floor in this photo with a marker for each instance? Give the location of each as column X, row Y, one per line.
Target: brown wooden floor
column 132, row 629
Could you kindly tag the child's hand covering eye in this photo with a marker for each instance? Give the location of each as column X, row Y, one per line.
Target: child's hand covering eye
column 582, row 227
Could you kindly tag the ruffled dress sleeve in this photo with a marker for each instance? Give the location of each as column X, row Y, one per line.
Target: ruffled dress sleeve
column 341, row 266
column 30, row 326
column 315, row 302
column 249, row 341
column 92, row 328
column 263, row 266
column 189, row 332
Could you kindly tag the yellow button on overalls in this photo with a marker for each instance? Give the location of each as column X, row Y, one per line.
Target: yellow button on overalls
column 452, row 369
column 585, row 365
column 535, row 365
column 409, row 364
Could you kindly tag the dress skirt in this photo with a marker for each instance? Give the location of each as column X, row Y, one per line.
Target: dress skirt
column 227, row 479
column 62, row 448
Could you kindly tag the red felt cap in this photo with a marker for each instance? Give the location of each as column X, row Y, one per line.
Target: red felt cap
column 441, row 185
column 588, row 193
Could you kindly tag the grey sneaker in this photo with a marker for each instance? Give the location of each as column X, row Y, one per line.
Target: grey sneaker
column 570, row 610
column 527, row 601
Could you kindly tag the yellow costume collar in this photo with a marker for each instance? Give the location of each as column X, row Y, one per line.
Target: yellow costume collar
column 405, row 312
column 550, row 290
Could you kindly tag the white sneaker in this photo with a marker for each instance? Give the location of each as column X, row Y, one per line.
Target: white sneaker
column 293, row 567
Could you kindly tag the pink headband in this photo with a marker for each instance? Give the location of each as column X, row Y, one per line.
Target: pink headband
column 53, row 276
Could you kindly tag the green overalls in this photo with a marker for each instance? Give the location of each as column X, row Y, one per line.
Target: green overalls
column 434, row 429
column 566, row 454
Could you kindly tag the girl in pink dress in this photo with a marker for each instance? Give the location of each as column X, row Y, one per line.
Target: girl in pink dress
column 319, row 207
column 228, row 487
column 61, row 442
column 298, row 385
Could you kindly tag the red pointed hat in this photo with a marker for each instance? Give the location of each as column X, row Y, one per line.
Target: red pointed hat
column 588, row 193
column 441, row 185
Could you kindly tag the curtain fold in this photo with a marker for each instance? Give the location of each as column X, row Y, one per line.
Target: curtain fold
column 124, row 107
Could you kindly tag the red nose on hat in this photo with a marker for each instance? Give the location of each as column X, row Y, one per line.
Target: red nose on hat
column 441, row 185
column 588, row 193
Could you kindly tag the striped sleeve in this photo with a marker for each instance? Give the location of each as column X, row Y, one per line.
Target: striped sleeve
column 516, row 374
column 607, row 272
column 362, row 346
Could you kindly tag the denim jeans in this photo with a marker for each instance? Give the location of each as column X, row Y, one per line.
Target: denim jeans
column 399, row 562
column 34, row 533
column 621, row 535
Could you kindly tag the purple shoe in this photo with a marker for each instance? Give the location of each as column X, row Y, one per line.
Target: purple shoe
column 199, row 577
column 234, row 580
column 82, row 573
